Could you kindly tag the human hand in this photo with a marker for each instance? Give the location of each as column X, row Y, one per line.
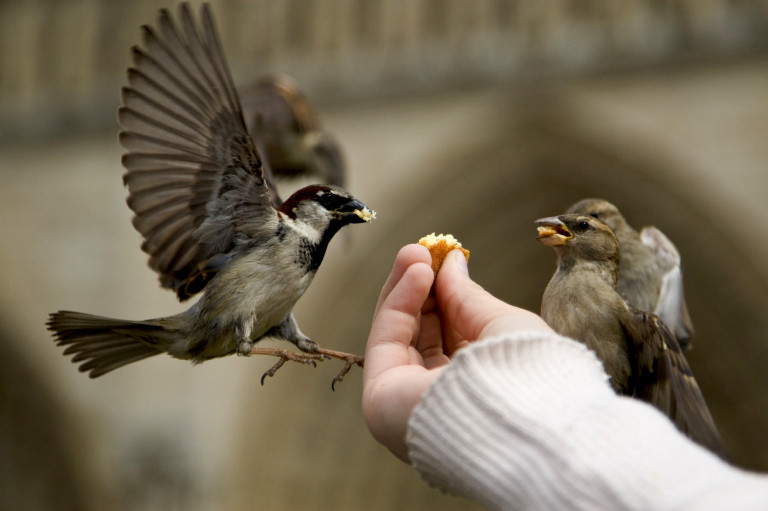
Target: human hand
column 416, row 330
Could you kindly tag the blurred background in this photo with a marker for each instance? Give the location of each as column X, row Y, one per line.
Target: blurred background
column 473, row 118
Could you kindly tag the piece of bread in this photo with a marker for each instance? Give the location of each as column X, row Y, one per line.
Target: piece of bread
column 439, row 246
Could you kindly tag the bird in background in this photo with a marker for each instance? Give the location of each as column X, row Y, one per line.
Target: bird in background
column 651, row 276
column 639, row 353
column 210, row 219
column 288, row 133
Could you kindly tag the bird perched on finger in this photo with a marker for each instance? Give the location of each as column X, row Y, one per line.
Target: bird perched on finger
column 639, row 353
column 202, row 202
column 288, row 133
column 651, row 276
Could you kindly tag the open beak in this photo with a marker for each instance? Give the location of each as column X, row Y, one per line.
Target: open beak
column 552, row 231
column 356, row 212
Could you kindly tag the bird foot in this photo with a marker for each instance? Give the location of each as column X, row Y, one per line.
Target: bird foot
column 286, row 355
column 349, row 359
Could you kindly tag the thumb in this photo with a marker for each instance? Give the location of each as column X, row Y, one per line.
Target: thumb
column 469, row 311
column 464, row 305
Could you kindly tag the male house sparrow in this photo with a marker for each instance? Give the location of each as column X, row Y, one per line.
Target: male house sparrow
column 650, row 277
column 638, row 351
column 201, row 201
column 288, row 133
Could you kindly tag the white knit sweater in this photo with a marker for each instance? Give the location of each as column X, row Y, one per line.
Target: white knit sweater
column 528, row 421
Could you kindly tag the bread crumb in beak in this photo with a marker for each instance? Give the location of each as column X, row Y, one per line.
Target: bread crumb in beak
column 553, row 235
column 366, row 214
column 545, row 230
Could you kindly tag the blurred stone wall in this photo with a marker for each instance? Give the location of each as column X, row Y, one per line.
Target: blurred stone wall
column 467, row 117
column 64, row 62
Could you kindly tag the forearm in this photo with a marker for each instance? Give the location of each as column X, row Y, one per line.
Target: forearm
column 529, row 421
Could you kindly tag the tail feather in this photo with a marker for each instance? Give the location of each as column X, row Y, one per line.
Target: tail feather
column 118, row 347
column 103, row 343
column 97, row 341
column 104, row 364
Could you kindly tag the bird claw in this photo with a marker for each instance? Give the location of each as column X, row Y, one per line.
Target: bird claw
column 349, row 360
column 286, row 355
column 347, row 366
column 319, row 354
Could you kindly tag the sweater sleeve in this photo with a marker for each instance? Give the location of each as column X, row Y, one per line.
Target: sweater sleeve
column 529, row 421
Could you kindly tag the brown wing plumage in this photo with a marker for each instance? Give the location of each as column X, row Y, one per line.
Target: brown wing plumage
column 650, row 276
column 664, row 379
column 288, row 132
column 193, row 172
column 277, row 102
column 278, row 115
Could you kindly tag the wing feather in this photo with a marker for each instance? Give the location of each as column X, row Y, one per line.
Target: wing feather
column 194, row 175
column 670, row 306
column 664, row 379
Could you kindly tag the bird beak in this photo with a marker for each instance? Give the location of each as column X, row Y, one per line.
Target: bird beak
column 356, row 212
column 552, row 231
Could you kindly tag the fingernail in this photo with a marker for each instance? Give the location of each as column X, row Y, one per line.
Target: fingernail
column 460, row 260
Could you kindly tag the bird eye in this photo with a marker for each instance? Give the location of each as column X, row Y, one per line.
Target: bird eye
column 583, row 225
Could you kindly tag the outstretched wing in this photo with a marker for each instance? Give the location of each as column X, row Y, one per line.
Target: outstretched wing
column 664, row 379
column 671, row 306
column 193, row 173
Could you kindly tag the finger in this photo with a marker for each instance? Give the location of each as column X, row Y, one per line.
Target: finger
column 407, row 256
column 429, row 344
column 466, row 307
column 462, row 302
column 396, row 323
column 470, row 312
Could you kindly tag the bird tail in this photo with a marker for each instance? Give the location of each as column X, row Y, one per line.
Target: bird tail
column 104, row 344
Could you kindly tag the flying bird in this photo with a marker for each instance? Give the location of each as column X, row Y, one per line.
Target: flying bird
column 203, row 204
column 639, row 353
column 651, row 276
column 288, row 133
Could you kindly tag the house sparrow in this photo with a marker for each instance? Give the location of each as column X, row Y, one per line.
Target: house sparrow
column 650, row 277
column 201, row 201
column 639, row 353
column 287, row 132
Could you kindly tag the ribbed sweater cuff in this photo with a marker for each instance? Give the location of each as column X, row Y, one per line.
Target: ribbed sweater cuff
column 529, row 422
